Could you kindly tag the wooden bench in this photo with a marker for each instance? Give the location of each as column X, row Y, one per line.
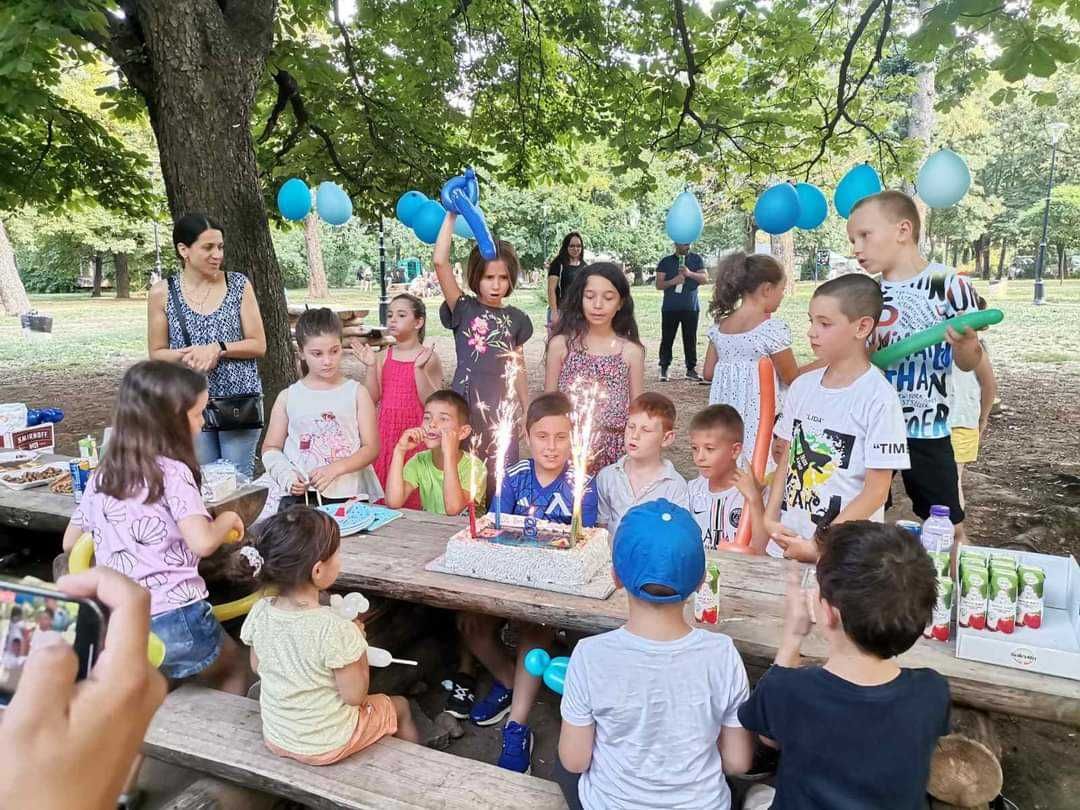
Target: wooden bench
column 221, row 735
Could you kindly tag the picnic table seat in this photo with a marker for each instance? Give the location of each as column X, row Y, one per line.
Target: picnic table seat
column 221, row 734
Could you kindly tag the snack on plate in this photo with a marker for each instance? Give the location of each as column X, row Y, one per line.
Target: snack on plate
column 32, row 478
column 62, row 485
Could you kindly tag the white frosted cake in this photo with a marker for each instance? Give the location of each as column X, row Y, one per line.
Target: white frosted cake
column 508, row 555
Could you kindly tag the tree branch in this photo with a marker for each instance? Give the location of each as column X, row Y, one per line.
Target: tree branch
column 44, row 151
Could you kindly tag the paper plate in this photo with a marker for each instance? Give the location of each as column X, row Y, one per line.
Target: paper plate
column 357, row 517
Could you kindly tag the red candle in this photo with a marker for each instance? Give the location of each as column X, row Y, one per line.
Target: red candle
column 472, row 519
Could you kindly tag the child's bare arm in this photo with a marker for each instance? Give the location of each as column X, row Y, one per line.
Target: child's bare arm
column 254, row 662
column 575, row 746
column 710, row 362
column 776, row 491
column 872, row 497
column 984, row 373
column 373, row 374
column 429, row 373
column 71, row 535
column 786, row 366
column 352, row 681
column 750, row 488
column 443, row 271
column 398, row 489
column 635, row 359
column 205, row 536
column 736, row 746
column 556, row 355
column 454, row 498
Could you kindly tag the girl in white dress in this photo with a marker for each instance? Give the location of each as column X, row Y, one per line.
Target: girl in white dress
column 749, row 288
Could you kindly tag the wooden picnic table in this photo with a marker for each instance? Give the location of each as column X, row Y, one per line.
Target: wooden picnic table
column 44, row 511
column 390, row 562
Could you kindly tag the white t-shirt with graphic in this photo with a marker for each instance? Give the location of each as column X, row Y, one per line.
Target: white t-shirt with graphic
column 836, row 435
column 923, row 379
column 717, row 513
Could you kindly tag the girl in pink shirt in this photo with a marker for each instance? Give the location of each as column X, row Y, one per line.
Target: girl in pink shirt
column 144, row 509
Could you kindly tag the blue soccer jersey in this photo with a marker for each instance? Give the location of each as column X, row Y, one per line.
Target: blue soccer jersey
column 555, row 502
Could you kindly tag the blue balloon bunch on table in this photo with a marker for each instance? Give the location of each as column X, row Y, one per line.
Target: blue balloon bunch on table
column 331, row 201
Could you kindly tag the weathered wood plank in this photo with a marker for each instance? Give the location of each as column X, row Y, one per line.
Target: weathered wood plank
column 221, row 735
column 391, row 562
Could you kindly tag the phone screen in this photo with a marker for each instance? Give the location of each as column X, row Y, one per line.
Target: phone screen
column 31, row 618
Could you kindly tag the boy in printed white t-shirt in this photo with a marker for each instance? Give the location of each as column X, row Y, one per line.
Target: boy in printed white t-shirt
column 842, row 426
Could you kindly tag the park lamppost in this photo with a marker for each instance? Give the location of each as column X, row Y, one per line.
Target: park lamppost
column 384, row 304
column 1055, row 130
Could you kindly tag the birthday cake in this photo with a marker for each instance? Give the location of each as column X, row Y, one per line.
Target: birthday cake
column 509, row 554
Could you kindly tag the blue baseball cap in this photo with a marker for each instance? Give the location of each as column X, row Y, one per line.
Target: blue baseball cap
column 659, row 543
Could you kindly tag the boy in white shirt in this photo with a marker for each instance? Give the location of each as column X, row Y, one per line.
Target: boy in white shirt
column 723, row 495
column 650, row 711
column 841, row 425
column 643, row 474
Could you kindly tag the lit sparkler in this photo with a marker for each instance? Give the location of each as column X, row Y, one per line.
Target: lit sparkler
column 584, row 396
column 472, row 488
column 506, row 417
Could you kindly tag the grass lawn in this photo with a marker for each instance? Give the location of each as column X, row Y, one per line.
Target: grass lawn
column 95, row 333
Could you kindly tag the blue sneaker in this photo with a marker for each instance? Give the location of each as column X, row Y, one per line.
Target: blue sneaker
column 517, row 748
column 494, row 707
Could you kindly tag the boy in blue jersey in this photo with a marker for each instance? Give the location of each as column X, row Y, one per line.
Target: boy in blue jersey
column 541, row 485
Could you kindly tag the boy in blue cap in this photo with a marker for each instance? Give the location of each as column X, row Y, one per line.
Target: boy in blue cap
column 650, row 710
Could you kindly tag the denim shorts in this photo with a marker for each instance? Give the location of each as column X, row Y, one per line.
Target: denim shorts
column 192, row 639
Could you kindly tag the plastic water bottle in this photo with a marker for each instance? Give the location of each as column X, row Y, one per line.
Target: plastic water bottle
column 937, row 530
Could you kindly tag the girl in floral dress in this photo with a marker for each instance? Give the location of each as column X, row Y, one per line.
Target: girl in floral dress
column 596, row 339
column 488, row 335
column 145, row 511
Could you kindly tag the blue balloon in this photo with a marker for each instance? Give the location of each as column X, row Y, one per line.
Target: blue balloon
column 555, row 674
column 777, row 210
column 427, row 222
column 461, row 194
column 861, row 181
column 536, row 661
column 943, row 180
column 332, row 203
column 462, row 229
column 684, row 219
column 407, row 206
column 813, row 207
column 294, row 199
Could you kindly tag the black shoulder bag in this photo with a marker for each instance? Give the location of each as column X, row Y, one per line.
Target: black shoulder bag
column 243, row 412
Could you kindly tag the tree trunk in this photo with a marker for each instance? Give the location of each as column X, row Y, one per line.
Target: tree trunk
column 1061, row 263
column 198, row 69
column 783, row 249
column 945, row 255
column 750, row 229
column 99, row 275
column 965, row 770
column 639, row 276
column 123, row 275
column 12, row 292
column 1001, row 258
column 921, row 128
column 316, row 285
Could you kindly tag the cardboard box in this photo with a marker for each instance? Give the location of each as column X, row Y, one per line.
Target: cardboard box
column 39, row 437
column 1053, row 648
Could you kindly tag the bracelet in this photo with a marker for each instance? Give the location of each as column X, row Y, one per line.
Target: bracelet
column 222, row 346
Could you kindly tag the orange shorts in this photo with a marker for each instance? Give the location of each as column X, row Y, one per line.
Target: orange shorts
column 377, row 719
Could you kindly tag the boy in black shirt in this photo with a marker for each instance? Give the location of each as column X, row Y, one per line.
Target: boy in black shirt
column 859, row 731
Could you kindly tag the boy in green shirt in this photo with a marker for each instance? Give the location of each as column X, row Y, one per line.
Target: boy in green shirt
column 444, row 474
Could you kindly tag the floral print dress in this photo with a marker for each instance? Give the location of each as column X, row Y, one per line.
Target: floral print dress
column 613, row 373
column 484, row 337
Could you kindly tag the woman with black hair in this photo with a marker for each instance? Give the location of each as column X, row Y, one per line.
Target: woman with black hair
column 209, row 320
column 596, row 339
column 561, row 272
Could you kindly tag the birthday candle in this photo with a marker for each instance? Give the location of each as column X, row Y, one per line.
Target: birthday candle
column 505, row 425
column 584, row 396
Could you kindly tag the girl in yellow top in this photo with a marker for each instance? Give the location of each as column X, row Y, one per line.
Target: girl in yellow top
column 313, row 663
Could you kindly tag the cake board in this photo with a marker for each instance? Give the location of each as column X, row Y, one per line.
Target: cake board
column 599, row 587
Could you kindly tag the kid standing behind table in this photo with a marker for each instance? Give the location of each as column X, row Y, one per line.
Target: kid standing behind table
column 323, row 433
column 884, row 232
column 401, row 379
column 859, row 731
column 749, row 289
column 442, row 473
column 643, row 474
column 650, row 710
column 145, row 510
column 596, row 340
column 540, row 486
column 314, row 698
column 722, row 495
column 487, row 333
column 841, row 426
column 972, row 400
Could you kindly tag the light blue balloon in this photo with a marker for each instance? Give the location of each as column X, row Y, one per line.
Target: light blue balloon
column 813, row 207
column 332, row 203
column 861, row 181
column 461, row 228
column 427, row 222
column 943, row 180
column 407, row 206
column 777, row 210
column 684, row 219
column 294, row 199
column 536, row 661
column 555, row 674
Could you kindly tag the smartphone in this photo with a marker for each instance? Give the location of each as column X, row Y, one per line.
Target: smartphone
column 33, row 614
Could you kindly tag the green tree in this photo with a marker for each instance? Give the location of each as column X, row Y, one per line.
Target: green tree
column 1063, row 228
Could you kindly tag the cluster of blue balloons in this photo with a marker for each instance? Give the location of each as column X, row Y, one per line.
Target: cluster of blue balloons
column 459, row 194
column 541, row 665
column 331, row 201
column 790, row 205
column 684, row 219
